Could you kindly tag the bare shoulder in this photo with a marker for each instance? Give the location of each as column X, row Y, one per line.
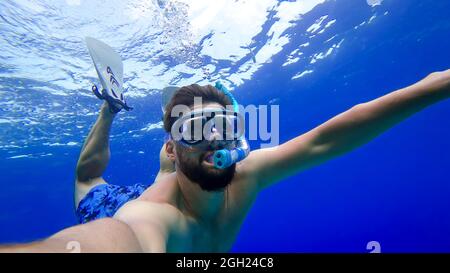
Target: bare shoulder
column 248, row 171
column 251, row 164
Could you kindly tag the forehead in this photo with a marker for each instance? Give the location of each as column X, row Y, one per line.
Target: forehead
column 208, row 105
column 179, row 111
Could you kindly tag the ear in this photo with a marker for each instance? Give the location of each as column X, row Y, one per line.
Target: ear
column 170, row 150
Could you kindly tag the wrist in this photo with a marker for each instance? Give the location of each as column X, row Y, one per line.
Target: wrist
column 106, row 112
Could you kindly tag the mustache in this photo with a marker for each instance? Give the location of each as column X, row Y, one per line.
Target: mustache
column 211, row 148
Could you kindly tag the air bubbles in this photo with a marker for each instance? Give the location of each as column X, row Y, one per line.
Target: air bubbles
column 374, row 3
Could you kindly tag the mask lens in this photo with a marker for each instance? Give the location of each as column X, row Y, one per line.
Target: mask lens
column 205, row 126
column 226, row 126
column 192, row 129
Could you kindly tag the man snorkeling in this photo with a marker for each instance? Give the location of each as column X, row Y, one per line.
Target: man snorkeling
column 199, row 207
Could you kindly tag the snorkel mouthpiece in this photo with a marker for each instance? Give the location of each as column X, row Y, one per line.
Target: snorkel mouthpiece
column 222, row 159
column 225, row 158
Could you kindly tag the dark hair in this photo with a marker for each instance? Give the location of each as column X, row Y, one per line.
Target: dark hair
column 185, row 96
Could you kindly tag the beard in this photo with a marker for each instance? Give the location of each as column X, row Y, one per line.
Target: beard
column 208, row 178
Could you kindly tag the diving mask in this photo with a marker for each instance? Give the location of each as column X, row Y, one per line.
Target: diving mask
column 208, row 124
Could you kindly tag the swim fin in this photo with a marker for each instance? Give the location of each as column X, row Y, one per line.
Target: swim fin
column 109, row 67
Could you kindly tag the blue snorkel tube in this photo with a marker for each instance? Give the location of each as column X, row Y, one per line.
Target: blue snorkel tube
column 225, row 158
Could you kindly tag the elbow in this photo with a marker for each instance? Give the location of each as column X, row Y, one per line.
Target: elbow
column 360, row 105
column 359, row 109
column 322, row 141
column 337, row 134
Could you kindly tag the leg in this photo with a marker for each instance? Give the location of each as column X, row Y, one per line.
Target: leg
column 94, row 156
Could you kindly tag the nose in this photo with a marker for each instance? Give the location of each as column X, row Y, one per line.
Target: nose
column 216, row 145
column 214, row 135
column 215, row 140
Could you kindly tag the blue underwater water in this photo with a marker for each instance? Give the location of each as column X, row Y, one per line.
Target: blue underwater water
column 394, row 190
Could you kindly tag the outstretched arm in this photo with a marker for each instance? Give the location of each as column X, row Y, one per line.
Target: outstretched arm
column 104, row 235
column 347, row 131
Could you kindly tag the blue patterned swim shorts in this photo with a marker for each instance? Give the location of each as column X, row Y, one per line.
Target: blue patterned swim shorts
column 104, row 200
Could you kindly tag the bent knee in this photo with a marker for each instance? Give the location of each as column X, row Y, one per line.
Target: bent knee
column 82, row 188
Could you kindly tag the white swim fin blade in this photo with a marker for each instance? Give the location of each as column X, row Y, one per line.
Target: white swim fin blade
column 109, row 67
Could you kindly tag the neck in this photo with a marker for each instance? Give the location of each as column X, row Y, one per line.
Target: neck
column 201, row 204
